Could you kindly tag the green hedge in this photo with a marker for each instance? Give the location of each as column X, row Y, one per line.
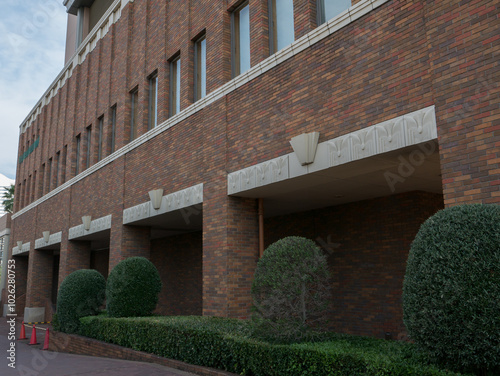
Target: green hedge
column 81, row 294
column 225, row 344
column 451, row 291
column 132, row 288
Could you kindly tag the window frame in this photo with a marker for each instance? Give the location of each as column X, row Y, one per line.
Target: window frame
column 77, row 152
column 273, row 26
column 200, row 67
column 235, row 39
column 113, row 128
column 175, row 89
column 134, row 110
column 100, row 122
column 321, row 12
column 88, row 156
column 153, row 100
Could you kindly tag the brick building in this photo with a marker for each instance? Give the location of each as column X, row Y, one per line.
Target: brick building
column 168, row 135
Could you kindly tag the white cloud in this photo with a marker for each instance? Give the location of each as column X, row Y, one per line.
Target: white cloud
column 31, row 56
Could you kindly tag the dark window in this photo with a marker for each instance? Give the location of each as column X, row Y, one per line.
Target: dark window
column 89, row 147
column 153, row 102
column 134, row 111
column 200, row 68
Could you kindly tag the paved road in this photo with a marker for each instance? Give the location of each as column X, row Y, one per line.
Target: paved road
column 31, row 361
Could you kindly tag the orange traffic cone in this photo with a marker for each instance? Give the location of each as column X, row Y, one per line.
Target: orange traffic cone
column 46, row 341
column 33, row 337
column 23, row 332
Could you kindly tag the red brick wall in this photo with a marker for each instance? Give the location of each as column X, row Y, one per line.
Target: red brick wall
column 179, row 262
column 367, row 245
column 399, row 58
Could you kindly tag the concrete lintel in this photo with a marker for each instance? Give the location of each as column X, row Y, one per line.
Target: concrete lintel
column 53, row 239
column 397, row 133
column 97, row 225
column 24, row 249
column 174, row 201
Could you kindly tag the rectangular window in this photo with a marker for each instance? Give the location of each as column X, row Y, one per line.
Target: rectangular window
column 281, row 25
column 153, row 102
column 78, row 146
column 65, row 156
column 134, row 111
column 89, row 147
column 240, row 38
column 175, row 86
column 200, row 68
column 33, row 188
column 28, row 191
column 58, row 166
column 49, row 176
column 113, row 128
column 327, row 9
column 100, row 140
column 41, row 186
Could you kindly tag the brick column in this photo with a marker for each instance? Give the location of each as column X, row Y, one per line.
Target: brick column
column 75, row 255
column 230, row 254
column 39, row 286
column 128, row 241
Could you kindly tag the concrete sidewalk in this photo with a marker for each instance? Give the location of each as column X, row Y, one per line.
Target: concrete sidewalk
column 32, row 361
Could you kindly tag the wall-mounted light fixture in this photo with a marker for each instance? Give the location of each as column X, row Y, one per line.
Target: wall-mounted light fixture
column 46, row 236
column 87, row 220
column 19, row 245
column 156, row 196
column 305, row 146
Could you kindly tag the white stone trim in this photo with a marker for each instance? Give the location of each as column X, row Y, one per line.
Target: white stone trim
column 96, row 225
column 53, row 239
column 410, row 129
column 288, row 52
column 24, row 249
column 5, row 232
column 173, row 201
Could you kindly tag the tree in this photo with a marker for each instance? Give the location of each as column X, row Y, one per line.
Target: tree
column 8, row 199
column 451, row 290
column 291, row 290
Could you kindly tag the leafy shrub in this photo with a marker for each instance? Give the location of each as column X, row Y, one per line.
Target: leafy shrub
column 133, row 288
column 81, row 294
column 451, row 293
column 226, row 344
column 290, row 290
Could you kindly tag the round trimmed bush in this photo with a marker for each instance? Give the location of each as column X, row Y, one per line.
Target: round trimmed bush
column 81, row 294
column 132, row 289
column 451, row 291
column 291, row 290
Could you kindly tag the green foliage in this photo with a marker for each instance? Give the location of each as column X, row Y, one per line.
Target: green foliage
column 8, row 199
column 291, row 290
column 132, row 289
column 81, row 294
column 451, row 293
column 226, row 344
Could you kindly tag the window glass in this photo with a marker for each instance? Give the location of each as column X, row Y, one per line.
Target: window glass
column 330, row 8
column 134, row 110
column 200, row 68
column 241, row 40
column 283, row 25
column 175, row 86
column 153, row 102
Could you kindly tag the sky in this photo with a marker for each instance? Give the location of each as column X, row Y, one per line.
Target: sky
column 32, row 41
